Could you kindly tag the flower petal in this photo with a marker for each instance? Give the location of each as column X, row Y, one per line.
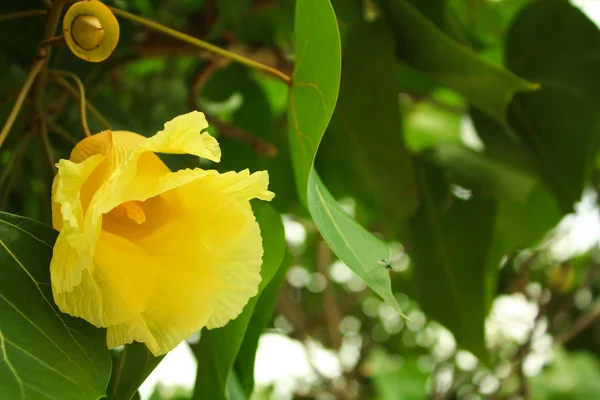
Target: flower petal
column 180, row 136
column 72, row 250
column 210, row 256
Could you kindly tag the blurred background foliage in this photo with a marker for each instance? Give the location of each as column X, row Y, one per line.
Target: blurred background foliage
column 465, row 135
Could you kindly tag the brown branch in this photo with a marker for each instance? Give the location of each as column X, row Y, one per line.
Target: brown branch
column 225, row 129
column 89, row 106
column 580, row 324
column 33, row 73
column 331, row 312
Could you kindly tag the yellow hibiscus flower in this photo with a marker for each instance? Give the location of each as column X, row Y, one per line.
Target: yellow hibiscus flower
column 150, row 254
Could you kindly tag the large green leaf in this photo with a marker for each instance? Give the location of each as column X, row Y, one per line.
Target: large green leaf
column 312, row 98
column 554, row 44
column 425, row 47
column 451, row 241
column 43, row 353
column 315, row 86
column 244, row 363
column 218, row 348
column 364, row 139
column 133, row 365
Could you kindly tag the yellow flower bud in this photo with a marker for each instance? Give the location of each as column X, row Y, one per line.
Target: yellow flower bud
column 91, row 30
column 150, row 254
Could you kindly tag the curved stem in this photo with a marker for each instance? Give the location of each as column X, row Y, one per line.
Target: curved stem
column 225, row 129
column 33, row 73
column 89, row 106
column 46, row 147
column 82, row 102
column 22, row 14
column 202, row 44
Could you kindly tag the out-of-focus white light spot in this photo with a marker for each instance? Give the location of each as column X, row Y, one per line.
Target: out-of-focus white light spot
column 283, row 363
column 511, row 319
column 325, row 361
column 386, row 311
column 503, row 370
column 316, row 283
column 401, row 262
column 350, row 325
column 417, row 320
column 479, row 376
column 370, row 306
column 425, row 339
column 349, row 205
column 489, row 384
column 176, row 370
column 340, row 272
column 534, row 290
column 461, row 192
column 468, row 134
column 298, row 276
column 295, row 233
column 583, row 298
column 356, row 284
column 444, row 378
column 445, row 344
column 540, row 355
column 577, row 233
column 393, row 325
column 466, row 361
column 282, row 324
column 350, row 351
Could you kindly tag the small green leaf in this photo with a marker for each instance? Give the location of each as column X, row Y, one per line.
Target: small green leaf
column 451, row 240
column 312, row 98
column 358, row 248
column 43, row 353
column 218, row 348
column 425, row 47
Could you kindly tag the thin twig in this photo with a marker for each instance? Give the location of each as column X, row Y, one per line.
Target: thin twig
column 46, row 147
column 33, row 72
column 202, row 44
column 224, row 128
column 585, row 320
column 22, row 14
column 89, row 106
column 52, row 41
column 52, row 21
column 82, row 102
column 12, row 172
